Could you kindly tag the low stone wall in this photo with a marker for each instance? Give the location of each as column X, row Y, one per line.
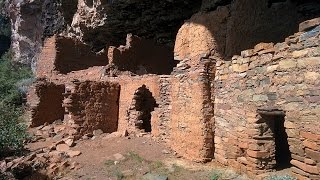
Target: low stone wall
column 261, row 82
column 45, row 101
column 93, row 105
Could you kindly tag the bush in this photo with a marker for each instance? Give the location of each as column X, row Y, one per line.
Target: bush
column 215, row 175
column 12, row 129
column 10, row 77
column 286, row 177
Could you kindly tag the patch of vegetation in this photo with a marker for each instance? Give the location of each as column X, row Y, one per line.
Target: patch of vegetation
column 119, row 175
column 215, row 175
column 12, row 128
column 135, row 156
column 13, row 80
column 177, row 168
column 157, row 165
column 109, row 162
column 286, row 177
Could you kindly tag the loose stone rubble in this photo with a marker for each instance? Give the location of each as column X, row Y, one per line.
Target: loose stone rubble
column 257, row 111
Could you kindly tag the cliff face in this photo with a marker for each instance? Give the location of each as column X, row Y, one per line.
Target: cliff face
column 31, row 22
column 103, row 23
column 98, row 23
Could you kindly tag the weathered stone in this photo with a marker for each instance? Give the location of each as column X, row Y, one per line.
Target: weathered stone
column 258, row 154
column 260, row 98
column 312, row 76
column 310, row 136
column 305, row 167
column 97, row 132
column 62, row 147
column 311, row 62
column 73, row 153
column 287, row 64
column 263, row 46
column 119, row 157
column 315, row 155
column 307, row 25
column 150, row 176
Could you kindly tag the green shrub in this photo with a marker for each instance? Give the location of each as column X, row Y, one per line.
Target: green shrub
column 10, row 76
column 215, row 175
column 12, row 129
column 286, row 177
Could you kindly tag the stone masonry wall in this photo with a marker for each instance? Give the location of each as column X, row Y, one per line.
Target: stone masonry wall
column 93, row 105
column 45, row 101
column 271, row 77
column 73, row 55
column 46, row 65
column 142, row 56
column 191, row 122
column 129, row 85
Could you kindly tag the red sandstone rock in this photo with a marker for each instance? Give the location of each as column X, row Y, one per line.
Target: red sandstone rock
column 305, row 167
column 311, row 136
column 73, row 153
column 62, row 147
column 311, row 145
column 315, row 155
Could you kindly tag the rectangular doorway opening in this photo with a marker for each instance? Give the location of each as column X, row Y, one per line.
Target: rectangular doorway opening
column 275, row 120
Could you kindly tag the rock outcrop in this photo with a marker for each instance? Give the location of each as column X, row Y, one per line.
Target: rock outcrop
column 98, row 23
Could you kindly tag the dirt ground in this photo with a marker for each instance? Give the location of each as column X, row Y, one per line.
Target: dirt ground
column 132, row 158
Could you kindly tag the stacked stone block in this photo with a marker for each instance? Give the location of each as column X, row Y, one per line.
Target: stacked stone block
column 93, row 105
column 283, row 76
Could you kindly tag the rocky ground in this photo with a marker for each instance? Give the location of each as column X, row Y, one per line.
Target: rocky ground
column 54, row 153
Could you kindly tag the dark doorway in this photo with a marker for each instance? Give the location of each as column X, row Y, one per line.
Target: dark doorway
column 275, row 120
column 283, row 155
column 144, row 105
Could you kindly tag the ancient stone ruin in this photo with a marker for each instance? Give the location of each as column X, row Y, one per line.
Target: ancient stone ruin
column 240, row 88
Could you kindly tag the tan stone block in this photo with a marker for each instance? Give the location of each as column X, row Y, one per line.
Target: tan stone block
column 311, row 61
column 271, row 50
column 240, row 68
column 309, row 161
column 272, row 68
column 247, row 53
column 300, row 53
column 314, row 155
column 243, row 145
column 296, row 157
column 312, row 76
column 263, row 46
column 287, row 64
column 290, row 125
column 258, row 154
column 292, row 133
